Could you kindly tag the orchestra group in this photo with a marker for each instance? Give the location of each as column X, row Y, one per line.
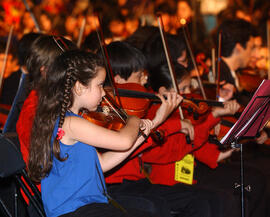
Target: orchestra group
column 93, row 150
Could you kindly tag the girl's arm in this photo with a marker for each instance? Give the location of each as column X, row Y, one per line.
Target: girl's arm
column 110, row 159
column 79, row 129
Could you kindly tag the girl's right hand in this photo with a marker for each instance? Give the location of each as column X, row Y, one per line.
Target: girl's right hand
column 167, row 106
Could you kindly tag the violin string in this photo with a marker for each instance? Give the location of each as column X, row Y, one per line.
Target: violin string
column 109, row 103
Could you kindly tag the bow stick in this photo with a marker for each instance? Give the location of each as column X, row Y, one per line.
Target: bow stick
column 218, row 66
column 268, row 46
column 213, row 64
column 106, row 59
column 170, row 65
column 32, row 15
column 5, row 57
column 193, row 61
column 79, row 42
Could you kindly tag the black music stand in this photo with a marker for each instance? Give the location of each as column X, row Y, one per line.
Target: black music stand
column 251, row 121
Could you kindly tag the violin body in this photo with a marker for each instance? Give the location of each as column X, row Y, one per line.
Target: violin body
column 195, row 112
column 133, row 106
column 107, row 119
column 248, row 81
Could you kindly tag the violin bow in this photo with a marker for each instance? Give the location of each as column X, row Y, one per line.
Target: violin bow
column 268, row 47
column 218, row 66
column 106, row 58
column 213, row 52
column 82, row 28
column 32, row 15
column 169, row 59
column 5, row 56
column 170, row 65
column 193, row 61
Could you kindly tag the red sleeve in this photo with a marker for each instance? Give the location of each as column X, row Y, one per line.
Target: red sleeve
column 210, row 122
column 25, row 122
column 208, row 154
column 172, row 150
column 169, row 126
column 175, row 146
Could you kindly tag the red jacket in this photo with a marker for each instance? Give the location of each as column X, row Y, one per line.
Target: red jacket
column 24, row 127
column 163, row 158
column 25, row 122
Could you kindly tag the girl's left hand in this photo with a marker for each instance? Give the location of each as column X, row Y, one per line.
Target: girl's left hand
column 167, row 106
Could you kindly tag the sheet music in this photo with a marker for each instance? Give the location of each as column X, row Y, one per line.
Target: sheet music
column 254, row 117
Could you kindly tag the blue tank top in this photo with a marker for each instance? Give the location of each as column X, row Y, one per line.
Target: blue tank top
column 75, row 182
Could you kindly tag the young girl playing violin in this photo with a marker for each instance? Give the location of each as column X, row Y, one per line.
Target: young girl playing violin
column 207, row 155
column 63, row 154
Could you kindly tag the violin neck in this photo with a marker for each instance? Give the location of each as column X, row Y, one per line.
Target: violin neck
column 211, row 103
column 137, row 94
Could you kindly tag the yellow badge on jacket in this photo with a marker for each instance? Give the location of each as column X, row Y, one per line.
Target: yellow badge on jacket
column 184, row 169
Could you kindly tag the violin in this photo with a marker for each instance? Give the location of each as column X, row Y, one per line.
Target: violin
column 111, row 116
column 248, row 81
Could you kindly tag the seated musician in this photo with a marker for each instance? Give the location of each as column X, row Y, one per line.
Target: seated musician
column 237, row 43
column 128, row 64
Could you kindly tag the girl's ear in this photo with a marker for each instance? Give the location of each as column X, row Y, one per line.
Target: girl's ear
column 79, row 88
column 43, row 71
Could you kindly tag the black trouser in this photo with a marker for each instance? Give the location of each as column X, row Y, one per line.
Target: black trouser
column 224, row 178
column 181, row 199
column 106, row 210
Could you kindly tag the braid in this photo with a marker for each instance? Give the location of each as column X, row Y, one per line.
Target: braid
column 65, row 105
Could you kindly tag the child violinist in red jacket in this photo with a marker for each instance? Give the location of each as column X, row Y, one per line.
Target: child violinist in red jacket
column 129, row 178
